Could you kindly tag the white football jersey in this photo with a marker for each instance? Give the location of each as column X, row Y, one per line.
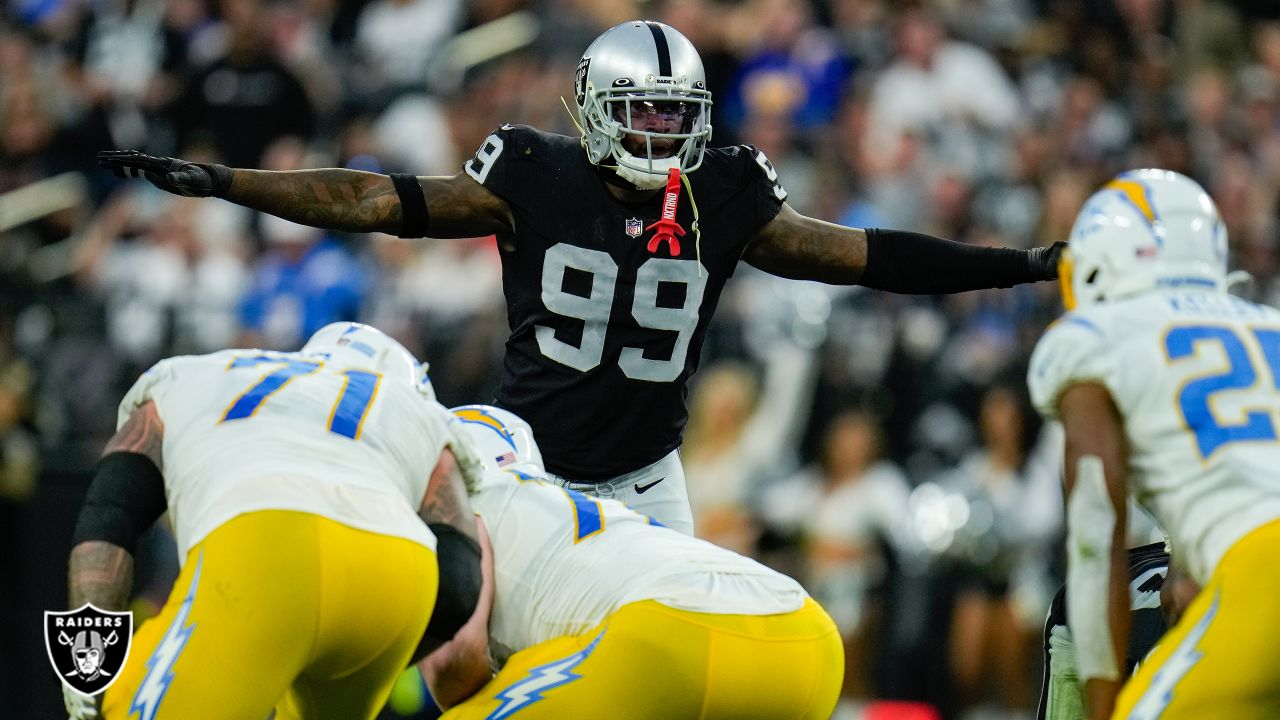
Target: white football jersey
column 564, row 561
column 1195, row 375
column 248, row 430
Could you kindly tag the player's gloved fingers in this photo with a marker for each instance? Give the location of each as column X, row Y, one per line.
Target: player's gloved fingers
column 113, row 158
column 1043, row 261
column 131, row 163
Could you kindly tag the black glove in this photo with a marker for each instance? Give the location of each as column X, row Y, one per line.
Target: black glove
column 1043, row 261
column 170, row 174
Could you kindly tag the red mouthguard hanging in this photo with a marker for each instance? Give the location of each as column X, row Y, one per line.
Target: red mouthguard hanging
column 669, row 231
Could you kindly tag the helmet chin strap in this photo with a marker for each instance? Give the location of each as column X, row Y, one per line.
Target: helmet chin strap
column 645, row 180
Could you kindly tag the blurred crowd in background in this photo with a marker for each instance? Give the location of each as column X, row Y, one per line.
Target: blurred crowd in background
column 879, row 448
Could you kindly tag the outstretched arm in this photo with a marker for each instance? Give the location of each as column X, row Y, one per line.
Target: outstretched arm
column 357, row 201
column 125, row 497
column 794, row 246
column 333, row 198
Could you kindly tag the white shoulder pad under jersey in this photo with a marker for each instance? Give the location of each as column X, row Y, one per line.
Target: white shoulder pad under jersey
column 564, row 562
column 249, row 430
column 1195, row 376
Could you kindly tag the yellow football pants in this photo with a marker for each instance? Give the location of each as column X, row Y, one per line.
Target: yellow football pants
column 1220, row 660
column 651, row 661
column 283, row 610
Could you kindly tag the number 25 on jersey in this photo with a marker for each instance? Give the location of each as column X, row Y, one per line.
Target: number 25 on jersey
column 1196, row 397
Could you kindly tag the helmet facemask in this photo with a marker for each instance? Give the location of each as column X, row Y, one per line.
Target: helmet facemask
column 683, row 118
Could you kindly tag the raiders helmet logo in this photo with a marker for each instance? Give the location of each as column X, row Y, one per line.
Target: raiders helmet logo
column 580, row 79
column 87, row 647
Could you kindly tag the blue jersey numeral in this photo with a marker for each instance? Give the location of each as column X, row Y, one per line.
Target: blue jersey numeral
column 250, row 400
column 588, row 513
column 353, row 404
column 1196, row 397
column 348, row 412
column 588, row 516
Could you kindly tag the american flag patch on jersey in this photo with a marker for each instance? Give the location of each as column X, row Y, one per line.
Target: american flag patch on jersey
column 634, row 227
column 505, row 458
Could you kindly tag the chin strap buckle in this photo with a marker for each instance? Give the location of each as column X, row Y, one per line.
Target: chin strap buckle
column 669, row 231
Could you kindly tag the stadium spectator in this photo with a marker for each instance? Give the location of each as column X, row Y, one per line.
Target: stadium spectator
column 304, row 281
column 952, row 94
column 395, row 39
column 1011, row 485
column 740, row 437
column 169, row 279
column 849, row 508
column 246, row 99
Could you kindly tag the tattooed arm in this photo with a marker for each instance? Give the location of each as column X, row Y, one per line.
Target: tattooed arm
column 794, row 246
column 445, row 502
column 100, row 573
column 802, row 248
column 125, row 497
column 142, row 433
column 356, row 201
column 459, row 667
column 459, row 557
column 333, row 198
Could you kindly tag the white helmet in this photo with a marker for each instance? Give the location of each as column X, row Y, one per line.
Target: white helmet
column 502, row 438
column 1144, row 229
column 365, row 346
column 631, row 69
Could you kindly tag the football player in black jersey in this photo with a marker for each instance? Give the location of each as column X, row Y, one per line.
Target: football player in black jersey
column 615, row 247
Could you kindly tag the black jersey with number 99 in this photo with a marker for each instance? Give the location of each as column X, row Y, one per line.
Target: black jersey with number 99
column 606, row 321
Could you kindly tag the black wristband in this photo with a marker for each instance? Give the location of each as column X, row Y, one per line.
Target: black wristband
column 220, row 177
column 413, row 205
column 918, row 264
column 124, row 499
column 458, row 558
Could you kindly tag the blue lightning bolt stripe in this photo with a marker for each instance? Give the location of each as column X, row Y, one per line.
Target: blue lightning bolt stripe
column 1159, row 694
column 541, row 679
column 146, row 702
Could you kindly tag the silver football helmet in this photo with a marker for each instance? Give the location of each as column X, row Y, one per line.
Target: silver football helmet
column 357, row 345
column 645, row 80
column 1144, row 229
column 503, row 439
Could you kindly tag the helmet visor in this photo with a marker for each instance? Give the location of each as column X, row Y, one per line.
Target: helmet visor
column 645, row 114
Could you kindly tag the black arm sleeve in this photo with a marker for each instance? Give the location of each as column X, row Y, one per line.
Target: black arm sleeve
column 917, row 264
column 124, row 499
column 459, row 559
column 413, row 206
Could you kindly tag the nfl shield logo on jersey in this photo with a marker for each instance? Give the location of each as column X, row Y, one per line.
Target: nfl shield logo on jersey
column 87, row 647
column 634, row 227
